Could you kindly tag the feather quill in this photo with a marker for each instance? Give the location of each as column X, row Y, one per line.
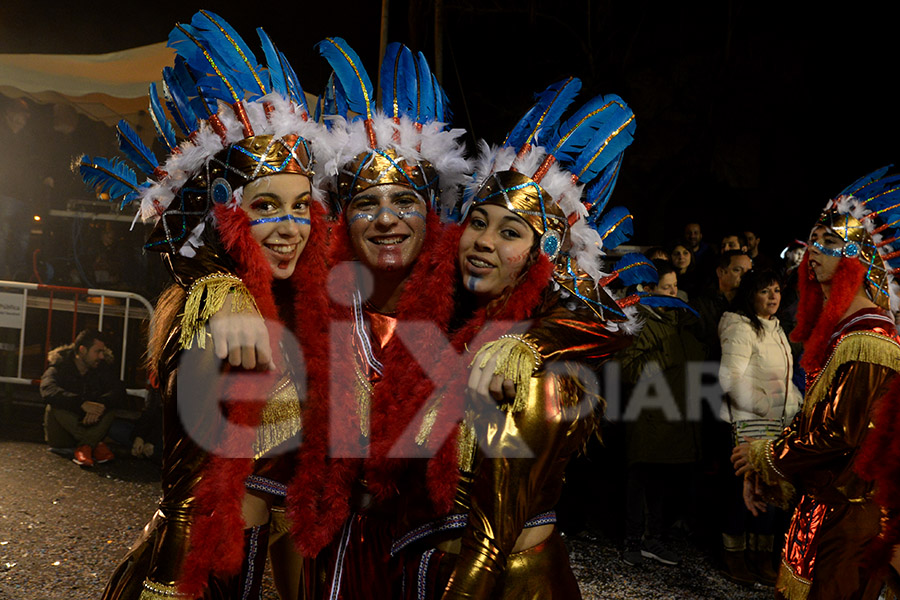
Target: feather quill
column 212, row 78
column 665, row 302
column 863, row 181
column 202, row 107
column 399, row 85
column 442, row 112
column 634, row 268
column 134, row 148
column 425, row 100
column 178, row 104
column 614, row 133
column 277, row 74
column 350, row 73
column 164, row 131
column 598, row 193
column 231, row 51
column 589, row 127
column 110, row 176
column 615, row 227
column 549, row 106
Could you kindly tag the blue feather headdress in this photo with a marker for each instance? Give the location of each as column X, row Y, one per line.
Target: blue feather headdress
column 399, row 136
column 558, row 173
column 220, row 98
column 866, row 215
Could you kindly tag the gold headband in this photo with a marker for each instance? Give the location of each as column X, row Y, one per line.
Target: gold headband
column 378, row 167
column 520, row 194
column 231, row 168
column 858, row 244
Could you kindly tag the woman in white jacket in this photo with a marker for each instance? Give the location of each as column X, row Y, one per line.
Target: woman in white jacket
column 755, row 373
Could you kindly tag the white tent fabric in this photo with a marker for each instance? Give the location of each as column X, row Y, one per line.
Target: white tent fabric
column 104, row 87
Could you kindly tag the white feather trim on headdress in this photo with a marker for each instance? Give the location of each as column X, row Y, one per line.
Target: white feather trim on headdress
column 443, row 149
column 284, row 118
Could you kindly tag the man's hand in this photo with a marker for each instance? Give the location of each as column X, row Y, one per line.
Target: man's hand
column 241, row 337
column 92, row 412
column 753, row 495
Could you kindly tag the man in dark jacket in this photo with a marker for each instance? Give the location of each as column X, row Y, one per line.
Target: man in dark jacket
column 81, row 391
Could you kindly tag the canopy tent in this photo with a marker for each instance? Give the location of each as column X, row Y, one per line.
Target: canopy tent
column 103, row 87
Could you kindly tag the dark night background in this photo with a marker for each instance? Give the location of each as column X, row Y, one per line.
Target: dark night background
column 748, row 113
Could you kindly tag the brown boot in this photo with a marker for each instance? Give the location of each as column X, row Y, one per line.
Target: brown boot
column 759, row 558
column 736, row 569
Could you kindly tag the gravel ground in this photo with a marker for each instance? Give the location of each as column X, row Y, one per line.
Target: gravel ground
column 63, row 529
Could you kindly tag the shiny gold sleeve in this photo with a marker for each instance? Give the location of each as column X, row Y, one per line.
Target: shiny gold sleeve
column 815, row 452
column 559, row 333
column 521, row 453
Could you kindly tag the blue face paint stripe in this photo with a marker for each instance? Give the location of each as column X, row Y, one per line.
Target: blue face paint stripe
column 827, row 251
column 298, row 220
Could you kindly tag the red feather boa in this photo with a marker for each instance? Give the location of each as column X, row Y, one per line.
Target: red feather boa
column 319, row 497
column 216, row 545
column 817, row 319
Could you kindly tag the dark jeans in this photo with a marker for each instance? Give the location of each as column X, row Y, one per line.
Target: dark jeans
column 645, row 491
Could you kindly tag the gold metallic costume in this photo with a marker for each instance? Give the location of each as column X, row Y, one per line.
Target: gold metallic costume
column 151, row 568
column 835, row 518
column 500, row 540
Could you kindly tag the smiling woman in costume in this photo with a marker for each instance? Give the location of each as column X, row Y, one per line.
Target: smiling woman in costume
column 238, row 224
column 486, row 528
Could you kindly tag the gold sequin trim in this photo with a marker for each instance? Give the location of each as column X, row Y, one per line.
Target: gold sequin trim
column 363, row 398
column 159, row 591
column 280, row 420
column 466, row 443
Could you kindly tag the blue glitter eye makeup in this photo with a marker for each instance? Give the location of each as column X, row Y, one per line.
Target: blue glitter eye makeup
column 298, row 220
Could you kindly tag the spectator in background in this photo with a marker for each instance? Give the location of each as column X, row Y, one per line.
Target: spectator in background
column 760, row 261
column 755, row 373
column 714, row 302
column 657, row 252
column 686, row 270
column 733, row 241
column 660, row 444
column 81, row 391
column 704, row 255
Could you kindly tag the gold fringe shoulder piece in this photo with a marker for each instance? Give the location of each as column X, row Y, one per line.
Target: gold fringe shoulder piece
column 516, row 359
column 205, row 298
column 160, row 591
column 790, row 586
column 858, row 346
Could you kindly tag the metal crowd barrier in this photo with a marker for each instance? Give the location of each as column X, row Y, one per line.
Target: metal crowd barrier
column 18, row 298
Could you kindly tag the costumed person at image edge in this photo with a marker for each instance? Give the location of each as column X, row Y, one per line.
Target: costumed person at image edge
column 833, row 547
column 486, row 527
column 237, row 192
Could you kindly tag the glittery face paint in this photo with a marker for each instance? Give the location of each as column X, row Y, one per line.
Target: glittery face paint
column 493, row 250
column 825, row 251
column 387, row 226
column 278, row 208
